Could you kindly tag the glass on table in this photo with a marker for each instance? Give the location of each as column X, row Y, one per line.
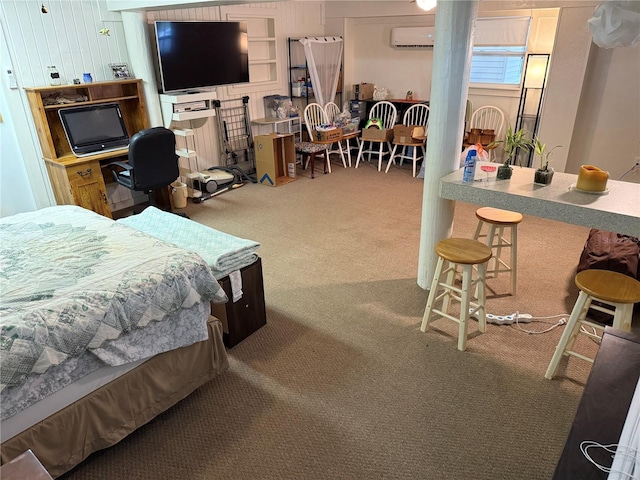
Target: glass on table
column 487, row 169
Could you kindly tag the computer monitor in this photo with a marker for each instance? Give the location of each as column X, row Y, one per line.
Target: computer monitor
column 94, row 129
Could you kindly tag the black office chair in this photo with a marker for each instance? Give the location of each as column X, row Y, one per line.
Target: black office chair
column 153, row 162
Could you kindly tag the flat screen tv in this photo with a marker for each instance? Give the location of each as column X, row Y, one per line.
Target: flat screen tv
column 94, row 128
column 201, row 54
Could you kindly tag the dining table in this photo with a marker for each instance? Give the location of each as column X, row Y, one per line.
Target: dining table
column 616, row 209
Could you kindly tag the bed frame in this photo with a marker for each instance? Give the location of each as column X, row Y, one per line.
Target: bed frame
column 110, row 413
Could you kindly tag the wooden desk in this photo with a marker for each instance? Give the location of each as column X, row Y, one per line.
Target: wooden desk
column 618, row 211
column 82, row 181
column 604, row 405
column 79, row 181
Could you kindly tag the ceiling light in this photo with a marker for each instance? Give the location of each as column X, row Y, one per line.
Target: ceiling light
column 426, row 4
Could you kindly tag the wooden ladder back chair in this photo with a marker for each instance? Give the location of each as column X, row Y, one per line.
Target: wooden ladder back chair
column 488, row 118
column 417, row 115
column 387, row 113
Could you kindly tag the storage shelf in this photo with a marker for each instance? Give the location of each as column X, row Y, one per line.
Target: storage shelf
column 185, row 153
column 184, row 132
column 261, row 62
column 182, row 116
column 168, row 103
column 297, row 55
column 89, row 102
column 262, row 39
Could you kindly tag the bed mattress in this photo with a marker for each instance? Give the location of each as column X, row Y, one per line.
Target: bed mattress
column 76, row 285
column 108, row 414
column 44, row 394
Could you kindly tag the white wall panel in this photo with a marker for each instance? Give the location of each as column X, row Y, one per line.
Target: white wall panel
column 66, row 37
column 293, row 19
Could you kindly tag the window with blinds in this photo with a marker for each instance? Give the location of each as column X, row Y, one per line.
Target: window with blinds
column 501, row 65
column 500, row 45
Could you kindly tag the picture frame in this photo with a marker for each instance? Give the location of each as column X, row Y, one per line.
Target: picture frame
column 120, row 71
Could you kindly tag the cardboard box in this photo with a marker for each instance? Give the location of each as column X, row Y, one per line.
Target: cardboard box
column 363, row 91
column 405, row 134
column 381, row 135
column 275, row 159
column 334, row 134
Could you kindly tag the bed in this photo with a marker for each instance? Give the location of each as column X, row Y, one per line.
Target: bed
column 103, row 327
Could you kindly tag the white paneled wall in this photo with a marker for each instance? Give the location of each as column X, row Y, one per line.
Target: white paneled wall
column 67, row 37
column 293, row 19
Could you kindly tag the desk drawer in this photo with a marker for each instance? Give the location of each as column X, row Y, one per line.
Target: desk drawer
column 84, row 173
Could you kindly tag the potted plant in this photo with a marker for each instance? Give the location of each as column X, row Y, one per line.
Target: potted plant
column 544, row 174
column 513, row 141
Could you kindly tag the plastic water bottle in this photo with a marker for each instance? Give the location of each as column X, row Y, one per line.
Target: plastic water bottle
column 469, row 167
column 54, row 76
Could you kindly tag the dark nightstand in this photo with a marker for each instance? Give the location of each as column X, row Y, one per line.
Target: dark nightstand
column 240, row 319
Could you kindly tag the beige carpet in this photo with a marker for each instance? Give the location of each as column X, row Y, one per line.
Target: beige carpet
column 340, row 383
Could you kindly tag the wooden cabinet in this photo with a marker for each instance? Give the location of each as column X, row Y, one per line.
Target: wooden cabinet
column 246, row 315
column 80, row 182
column 75, row 180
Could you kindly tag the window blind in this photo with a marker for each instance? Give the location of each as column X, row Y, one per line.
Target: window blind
column 505, row 31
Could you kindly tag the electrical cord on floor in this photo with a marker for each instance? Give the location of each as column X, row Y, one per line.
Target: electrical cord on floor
column 518, row 318
column 592, row 334
column 559, row 323
column 612, row 448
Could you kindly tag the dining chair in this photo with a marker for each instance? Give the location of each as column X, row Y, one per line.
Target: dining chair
column 417, row 115
column 314, row 115
column 333, row 110
column 387, row 113
column 488, row 118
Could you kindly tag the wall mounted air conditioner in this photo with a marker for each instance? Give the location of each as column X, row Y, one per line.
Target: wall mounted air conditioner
column 413, row 37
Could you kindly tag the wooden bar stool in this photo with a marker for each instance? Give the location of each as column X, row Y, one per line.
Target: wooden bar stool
column 612, row 288
column 498, row 220
column 466, row 253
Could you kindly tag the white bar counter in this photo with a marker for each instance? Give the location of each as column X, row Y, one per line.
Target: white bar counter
column 616, row 211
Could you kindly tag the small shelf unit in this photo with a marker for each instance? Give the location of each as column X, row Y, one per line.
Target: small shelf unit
column 182, row 107
column 298, row 67
column 176, row 106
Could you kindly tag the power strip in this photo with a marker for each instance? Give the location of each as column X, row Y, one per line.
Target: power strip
column 507, row 319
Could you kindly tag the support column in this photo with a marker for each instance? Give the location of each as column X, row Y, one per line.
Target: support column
column 455, row 24
column 141, row 54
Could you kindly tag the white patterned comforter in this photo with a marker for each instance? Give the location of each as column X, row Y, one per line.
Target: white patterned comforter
column 71, row 279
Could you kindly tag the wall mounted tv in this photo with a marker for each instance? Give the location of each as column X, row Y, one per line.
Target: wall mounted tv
column 201, row 54
column 94, row 128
